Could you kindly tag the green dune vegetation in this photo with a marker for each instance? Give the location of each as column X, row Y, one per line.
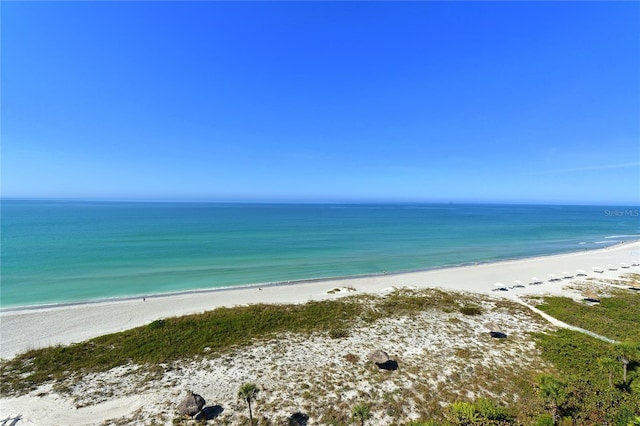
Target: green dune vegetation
column 555, row 376
column 596, row 382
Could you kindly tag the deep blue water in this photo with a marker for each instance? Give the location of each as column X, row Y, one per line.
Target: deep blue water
column 56, row 252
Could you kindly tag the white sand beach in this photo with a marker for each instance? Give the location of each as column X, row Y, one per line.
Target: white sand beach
column 125, row 396
column 25, row 329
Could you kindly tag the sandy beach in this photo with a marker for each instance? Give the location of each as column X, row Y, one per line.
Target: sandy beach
column 25, row 329
column 127, row 395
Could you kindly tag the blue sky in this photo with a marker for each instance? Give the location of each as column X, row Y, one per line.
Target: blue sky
column 325, row 101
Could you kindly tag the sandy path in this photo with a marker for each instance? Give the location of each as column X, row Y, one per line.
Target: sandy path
column 563, row 324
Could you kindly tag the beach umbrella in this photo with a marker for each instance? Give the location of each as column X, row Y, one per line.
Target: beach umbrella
column 498, row 284
column 378, row 356
column 580, row 272
column 494, row 330
column 623, row 265
column 590, row 295
column 611, row 267
column 492, row 326
column 552, row 277
column 517, row 283
column 534, row 280
column 597, row 269
column 191, row 405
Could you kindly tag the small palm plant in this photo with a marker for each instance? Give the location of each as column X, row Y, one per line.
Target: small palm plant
column 553, row 392
column 463, row 413
column 609, row 366
column 361, row 413
column 248, row 393
column 626, row 353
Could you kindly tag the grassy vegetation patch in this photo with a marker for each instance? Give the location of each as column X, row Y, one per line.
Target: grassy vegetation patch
column 593, row 389
column 586, row 396
column 471, row 310
column 573, row 353
column 616, row 317
column 405, row 302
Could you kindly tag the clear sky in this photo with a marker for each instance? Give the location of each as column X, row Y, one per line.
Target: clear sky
column 325, row 101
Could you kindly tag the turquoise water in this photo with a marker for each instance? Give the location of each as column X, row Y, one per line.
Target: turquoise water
column 58, row 252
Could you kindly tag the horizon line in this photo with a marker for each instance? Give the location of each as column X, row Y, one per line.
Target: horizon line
column 315, row 201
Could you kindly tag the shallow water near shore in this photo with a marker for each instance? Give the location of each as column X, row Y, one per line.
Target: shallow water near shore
column 63, row 251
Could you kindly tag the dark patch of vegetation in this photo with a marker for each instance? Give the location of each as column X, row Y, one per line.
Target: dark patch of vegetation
column 352, row 358
column 338, row 333
column 471, row 310
column 157, row 324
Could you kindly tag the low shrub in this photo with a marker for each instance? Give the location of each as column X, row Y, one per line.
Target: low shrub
column 471, row 310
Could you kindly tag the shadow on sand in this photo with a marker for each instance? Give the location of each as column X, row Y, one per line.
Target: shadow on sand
column 389, row 365
column 210, row 413
column 11, row 421
column 298, row 419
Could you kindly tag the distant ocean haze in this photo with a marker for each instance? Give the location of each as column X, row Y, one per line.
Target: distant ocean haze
column 62, row 251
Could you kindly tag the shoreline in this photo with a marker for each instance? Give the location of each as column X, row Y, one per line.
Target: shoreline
column 206, row 290
column 32, row 328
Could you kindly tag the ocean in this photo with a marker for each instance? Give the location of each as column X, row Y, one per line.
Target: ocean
column 65, row 251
